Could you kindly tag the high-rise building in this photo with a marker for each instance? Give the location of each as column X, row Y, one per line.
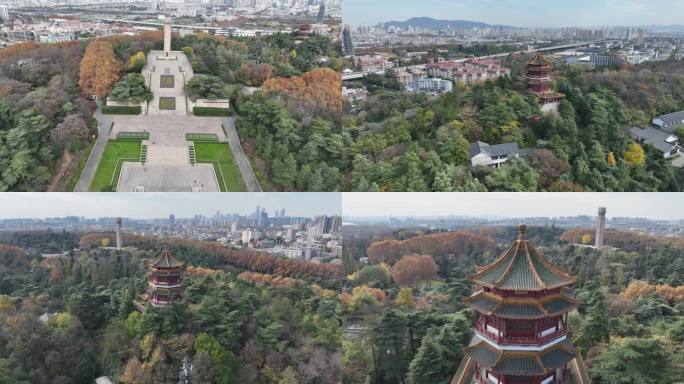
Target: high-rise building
column 4, row 13
column 165, row 280
column 521, row 333
column 172, row 220
column 347, row 42
column 321, row 13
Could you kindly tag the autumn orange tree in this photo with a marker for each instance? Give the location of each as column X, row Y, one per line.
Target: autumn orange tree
column 412, row 269
column 436, row 245
column 319, row 89
column 99, row 70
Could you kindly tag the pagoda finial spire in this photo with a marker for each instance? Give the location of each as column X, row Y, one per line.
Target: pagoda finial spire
column 523, row 232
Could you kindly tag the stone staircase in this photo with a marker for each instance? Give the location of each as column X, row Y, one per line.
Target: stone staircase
column 191, row 154
column 143, row 153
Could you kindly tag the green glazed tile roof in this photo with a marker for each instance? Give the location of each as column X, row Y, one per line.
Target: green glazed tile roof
column 484, row 304
column 522, row 268
column 519, row 311
column 559, row 305
column 519, row 365
column 523, row 363
column 556, row 357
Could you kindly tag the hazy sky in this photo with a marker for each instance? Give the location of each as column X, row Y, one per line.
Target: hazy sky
column 522, row 13
column 160, row 205
column 648, row 205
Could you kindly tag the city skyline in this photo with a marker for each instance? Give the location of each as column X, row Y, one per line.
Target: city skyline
column 161, row 205
column 520, row 13
column 660, row 206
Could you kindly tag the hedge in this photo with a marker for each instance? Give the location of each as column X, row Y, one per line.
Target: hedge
column 121, row 110
column 209, row 111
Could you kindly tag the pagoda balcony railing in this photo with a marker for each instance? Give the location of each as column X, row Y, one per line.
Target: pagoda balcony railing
column 165, row 285
column 520, row 340
column 544, row 77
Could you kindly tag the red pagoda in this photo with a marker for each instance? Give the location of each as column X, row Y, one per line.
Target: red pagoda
column 521, row 336
column 165, row 280
column 539, row 80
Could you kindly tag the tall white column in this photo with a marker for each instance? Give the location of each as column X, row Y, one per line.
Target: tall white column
column 600, row 227
column 167, row 35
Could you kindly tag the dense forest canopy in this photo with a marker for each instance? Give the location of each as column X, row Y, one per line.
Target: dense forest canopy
column 234, row 325
column 413, row 142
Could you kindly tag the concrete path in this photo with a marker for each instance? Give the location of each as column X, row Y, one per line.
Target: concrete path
column 241, row 159
column 136, row 177
column 104, row 122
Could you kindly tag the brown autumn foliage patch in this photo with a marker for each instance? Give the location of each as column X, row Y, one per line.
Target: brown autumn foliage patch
column 11, row 255
column 318, row 90
column 435, row 245
column 100, row 69
column 638, row 289
column 623, row 239
column 412, row 269
column 263, row 278
column 251, row 260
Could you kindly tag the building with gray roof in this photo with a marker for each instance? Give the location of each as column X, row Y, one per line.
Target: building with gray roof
column 484, row 154
column 666, row 143
column 670, row 121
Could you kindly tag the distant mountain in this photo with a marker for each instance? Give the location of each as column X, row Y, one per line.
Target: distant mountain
column 665, row 28
column 430, row 23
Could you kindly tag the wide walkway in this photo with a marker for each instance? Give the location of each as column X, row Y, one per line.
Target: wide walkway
column 166, row 75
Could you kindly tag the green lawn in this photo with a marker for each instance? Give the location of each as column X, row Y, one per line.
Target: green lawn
column 167, row 103
column 107, row 174
column 227, row 172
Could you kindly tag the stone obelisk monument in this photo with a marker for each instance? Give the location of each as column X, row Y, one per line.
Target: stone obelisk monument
column 167, row 35
column 600, row 227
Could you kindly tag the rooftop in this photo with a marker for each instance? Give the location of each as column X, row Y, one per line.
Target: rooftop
column 672, row 118
column 166, row 260
column 522, row 268
column 660, row 140
column 493, row 150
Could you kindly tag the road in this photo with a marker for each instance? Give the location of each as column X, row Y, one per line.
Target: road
column 359, row 75
column 104, row 122
column 241, row 159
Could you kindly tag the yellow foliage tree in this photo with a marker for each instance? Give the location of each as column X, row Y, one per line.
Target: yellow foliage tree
column 6, row 304
column 586, row 239
column 611, row 159
column 638, row 289
column 634, row 154
column 104, row 242
column 137, row 61
column 99, row 69
column 405, row 299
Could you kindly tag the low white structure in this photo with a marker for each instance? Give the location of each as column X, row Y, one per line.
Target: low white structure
column 207, row 103
column 483, row 154
column 429, row 84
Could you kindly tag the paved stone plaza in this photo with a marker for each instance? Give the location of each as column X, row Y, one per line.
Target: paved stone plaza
column 176, row 64
column 136, row 177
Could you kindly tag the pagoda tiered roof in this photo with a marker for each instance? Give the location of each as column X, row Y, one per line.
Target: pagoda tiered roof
column 166, row 260
column 539, row 60
column 522, row 268
column 489, row 303
column 522, row 363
